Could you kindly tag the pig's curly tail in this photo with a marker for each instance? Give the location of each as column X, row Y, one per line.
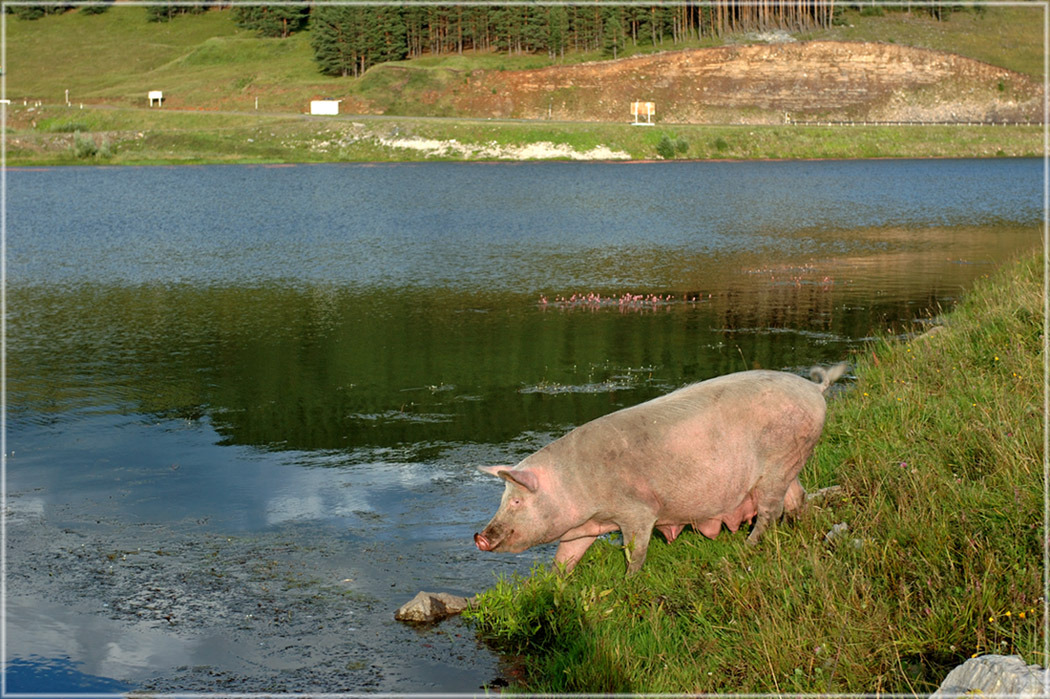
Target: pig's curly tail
column 826, row 377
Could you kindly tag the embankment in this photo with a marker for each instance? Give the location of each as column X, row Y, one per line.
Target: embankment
column 752, row 84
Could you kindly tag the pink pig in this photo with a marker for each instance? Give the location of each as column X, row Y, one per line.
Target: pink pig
column 717, row 452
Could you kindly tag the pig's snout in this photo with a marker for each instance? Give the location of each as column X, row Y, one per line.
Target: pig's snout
column 482, row 543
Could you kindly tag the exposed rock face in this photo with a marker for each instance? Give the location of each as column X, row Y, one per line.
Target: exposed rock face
column 766, row 83
column 428, row 607
column 994, row 674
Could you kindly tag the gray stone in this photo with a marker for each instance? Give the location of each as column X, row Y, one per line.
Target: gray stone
column 824, row 495
column 994, row 675
column 837, row 532
column 428, row 607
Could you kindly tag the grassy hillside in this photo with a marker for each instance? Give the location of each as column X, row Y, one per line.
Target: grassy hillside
column 199, row 61
column 205, row 61
column 937, row 448
column 251, row 93
column 1011, row 37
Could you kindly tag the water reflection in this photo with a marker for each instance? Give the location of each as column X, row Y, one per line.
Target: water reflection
column 311, row 367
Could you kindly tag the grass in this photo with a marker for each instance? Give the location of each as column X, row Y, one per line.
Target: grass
column 1011, row 37
column 44, row 136
column 937, row 448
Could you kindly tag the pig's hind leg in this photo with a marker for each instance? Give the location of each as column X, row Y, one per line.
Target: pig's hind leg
column 774, row 502
column 769, row 510
column 794, row 500
column 779, row 490
column 770, row 497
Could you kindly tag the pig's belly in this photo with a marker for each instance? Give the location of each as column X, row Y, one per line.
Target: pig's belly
column 705, row 519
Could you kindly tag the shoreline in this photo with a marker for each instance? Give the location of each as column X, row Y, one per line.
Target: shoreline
column 368, row 163
column 49, row 136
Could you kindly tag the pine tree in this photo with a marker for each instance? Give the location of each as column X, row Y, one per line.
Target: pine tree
column 164, row 13
column 272, row 21
column 612, row 31
column 331, row 37
column 96, row 8
column 557, row 31
column 385, row 38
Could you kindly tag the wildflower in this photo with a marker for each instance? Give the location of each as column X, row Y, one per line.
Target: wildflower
column 1008, row 614
column 991, row 619
column 1020, row 615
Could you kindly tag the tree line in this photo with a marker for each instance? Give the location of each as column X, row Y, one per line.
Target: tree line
column 347, row 39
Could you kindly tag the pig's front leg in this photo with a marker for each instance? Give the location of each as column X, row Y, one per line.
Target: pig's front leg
column 571, row 551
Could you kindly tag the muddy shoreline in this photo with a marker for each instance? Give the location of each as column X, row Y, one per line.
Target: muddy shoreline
column 293, row 609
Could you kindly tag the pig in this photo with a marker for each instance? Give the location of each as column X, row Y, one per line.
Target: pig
column 719, row 452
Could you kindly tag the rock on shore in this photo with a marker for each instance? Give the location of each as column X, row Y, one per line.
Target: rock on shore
column 428, row 607
column 994, row 675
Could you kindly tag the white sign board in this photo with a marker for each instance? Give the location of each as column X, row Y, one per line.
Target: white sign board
column 330, row 107
column 643, row 110
column 156, row 95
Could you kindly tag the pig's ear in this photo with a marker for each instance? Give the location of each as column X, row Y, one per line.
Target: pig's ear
column 526, row 479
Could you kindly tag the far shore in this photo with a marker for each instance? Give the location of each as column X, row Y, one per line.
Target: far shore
column 113, row 135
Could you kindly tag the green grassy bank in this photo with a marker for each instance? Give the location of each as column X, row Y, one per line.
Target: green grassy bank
column 937, row 447
column 133, row 136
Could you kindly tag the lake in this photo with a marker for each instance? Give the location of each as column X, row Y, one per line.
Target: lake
column 245, row 404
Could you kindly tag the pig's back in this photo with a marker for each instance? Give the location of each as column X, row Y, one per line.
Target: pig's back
column 700, row 450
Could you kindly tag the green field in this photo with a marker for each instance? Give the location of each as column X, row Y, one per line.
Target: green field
column 136, row 136
column 937, row 448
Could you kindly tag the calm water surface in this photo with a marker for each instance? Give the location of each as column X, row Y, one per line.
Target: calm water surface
column 245, row 404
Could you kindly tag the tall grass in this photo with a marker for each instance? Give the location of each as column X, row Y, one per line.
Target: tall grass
column 937, row 449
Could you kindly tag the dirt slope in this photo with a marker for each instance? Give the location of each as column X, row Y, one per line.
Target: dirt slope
column 768, row 83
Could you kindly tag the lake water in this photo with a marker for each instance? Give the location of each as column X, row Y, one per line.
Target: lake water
column 245, row 404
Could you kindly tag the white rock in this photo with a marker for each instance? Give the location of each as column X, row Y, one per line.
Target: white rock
column 428, row 607
column 995, row 675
